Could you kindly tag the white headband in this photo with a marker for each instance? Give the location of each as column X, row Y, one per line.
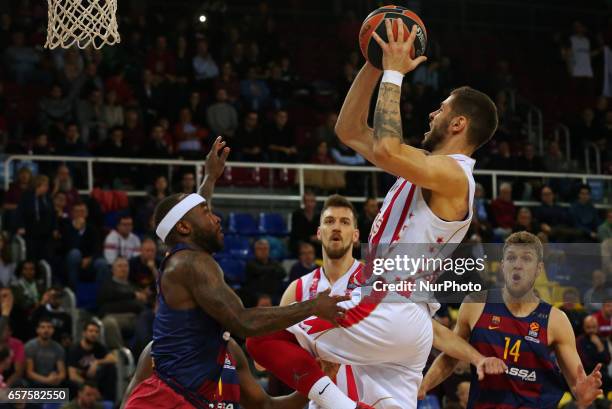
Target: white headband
column 176, row 213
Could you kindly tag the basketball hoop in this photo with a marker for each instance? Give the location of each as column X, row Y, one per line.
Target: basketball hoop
column 82, row 23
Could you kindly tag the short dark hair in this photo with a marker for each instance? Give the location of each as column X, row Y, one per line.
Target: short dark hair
column 584, row 186
column 90, row 322
column 340, row 201
column 85, row 384
column 44, row 319
column 162, row 209
column 480, row 110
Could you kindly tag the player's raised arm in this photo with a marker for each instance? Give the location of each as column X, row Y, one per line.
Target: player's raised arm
column 352, row 126
column 215, row 165
column 584, row 388
column 205, row 282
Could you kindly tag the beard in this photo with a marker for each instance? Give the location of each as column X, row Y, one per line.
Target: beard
column 435, row 137
column 208, row 240
column 336, row 253
column 520, row 292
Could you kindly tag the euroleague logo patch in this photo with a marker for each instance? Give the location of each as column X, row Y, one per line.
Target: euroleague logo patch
column 534, row 329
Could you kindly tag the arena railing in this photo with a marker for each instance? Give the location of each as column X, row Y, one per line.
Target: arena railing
column 496, row 176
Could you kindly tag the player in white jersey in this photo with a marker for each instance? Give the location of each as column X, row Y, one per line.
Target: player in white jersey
column 381, row 356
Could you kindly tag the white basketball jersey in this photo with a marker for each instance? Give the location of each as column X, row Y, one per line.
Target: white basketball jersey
column 405, row 218
column 308, row 287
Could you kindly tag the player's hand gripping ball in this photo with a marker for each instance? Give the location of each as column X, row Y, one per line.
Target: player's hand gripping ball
column 374, row 22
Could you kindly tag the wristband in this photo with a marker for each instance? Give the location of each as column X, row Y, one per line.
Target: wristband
column 394, row 77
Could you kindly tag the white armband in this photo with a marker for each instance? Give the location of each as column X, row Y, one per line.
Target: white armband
column 394, row 77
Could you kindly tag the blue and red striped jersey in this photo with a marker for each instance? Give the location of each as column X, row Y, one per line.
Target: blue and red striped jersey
column 533, row 379
column 190, row 354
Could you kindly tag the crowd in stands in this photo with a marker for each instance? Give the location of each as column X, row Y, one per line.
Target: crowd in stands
column 160, row 95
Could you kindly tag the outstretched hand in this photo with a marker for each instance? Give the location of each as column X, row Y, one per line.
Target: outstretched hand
column 327, row 308
column 215, row 160
column 587, row 388
column 397, row 52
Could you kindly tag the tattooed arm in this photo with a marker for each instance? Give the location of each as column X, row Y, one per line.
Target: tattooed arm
column 438, row 173
column 202, row 277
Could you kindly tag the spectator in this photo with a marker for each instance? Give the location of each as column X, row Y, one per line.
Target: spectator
column 281, row 139
column 157, row 193
column 604, row 231
column 322, row 156
column 264, row 300
column 121, row 242
column 263, row 276
column 151, row 97
column 143, row 267
column 248, row 140
column 188, row 137
column 578, row 58
column 554, row 160
column 81, row 246
column 525, row 222
column 604, row 319
column 366, row 219
column 529, row 162
column 17, row 188
column 117, row 82
column 71, row 145
column 54, row 109
column 90, row 117
column 583, row 213
column 143, row 331
column 228, row 81
column 204, row 67
column 343, row 155
column 13, row 375
column 89, row 360
column 196, row 106
column 119, row 303
column 593, row 350
column 304, row 223
column 88, row 397
column 188, row 183
column 554, row 219
column 135, row 136
column 160, row 59
column 503, row 159
column 45, row 367
column 222, row 117
column 157, row 146
column 573, row 309
column 63, row 183
column 305, row 263
column 36, row 219
column 255, row 92
column 20, row 59
column 594, row 296
column 183, row 61
column 59, row 207
column 7, row 265
column 51, row 308
column 503, row 211
column 112, row 112
column 27, row 289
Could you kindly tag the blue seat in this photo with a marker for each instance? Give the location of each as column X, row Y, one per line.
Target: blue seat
column 236, row 247
column 430, row 402
column 234, row 271
column 52, row 405
column 273, row 224
column 86, row 294
column 242, row 223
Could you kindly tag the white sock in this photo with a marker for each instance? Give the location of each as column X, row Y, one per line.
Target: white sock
column 327, row 395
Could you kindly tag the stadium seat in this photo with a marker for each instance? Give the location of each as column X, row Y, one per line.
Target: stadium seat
column 430, row 402
column 273, row 224
column 235, row 247
column 86, row 294
column 234, row 271
column 242, row 224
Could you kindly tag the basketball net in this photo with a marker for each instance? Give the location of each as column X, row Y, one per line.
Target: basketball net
column 82, row 23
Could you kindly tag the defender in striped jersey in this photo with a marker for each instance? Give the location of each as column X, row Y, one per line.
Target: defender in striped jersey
column 514, row 325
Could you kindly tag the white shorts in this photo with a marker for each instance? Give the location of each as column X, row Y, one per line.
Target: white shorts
column 387, row 351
